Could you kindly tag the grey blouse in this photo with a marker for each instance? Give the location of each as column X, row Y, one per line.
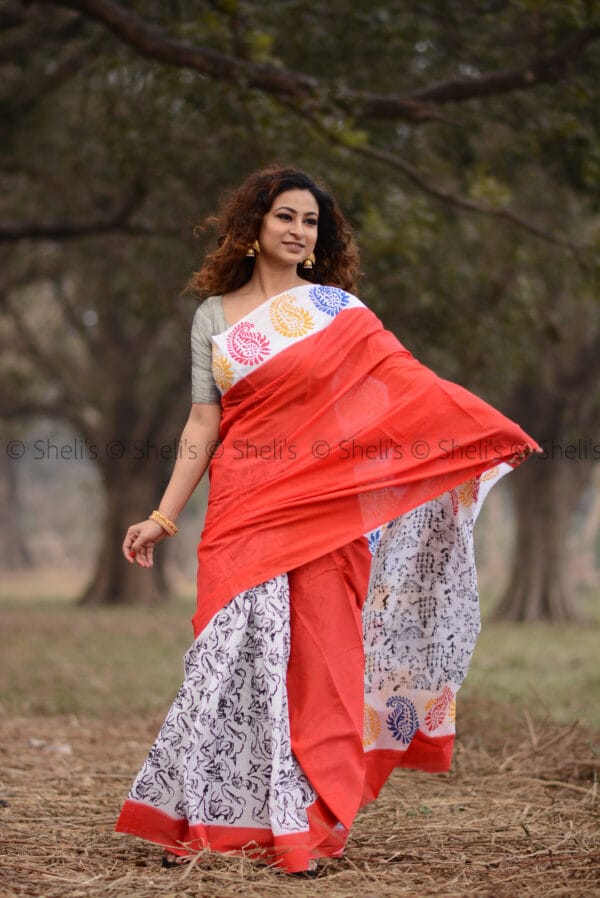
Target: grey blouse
column 208, row 320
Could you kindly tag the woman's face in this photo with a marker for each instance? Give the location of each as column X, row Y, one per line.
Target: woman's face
column 289, row 230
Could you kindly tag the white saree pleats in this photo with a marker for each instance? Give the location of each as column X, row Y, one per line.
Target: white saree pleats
column 223, row 756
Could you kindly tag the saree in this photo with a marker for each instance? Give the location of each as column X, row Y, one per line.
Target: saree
column 337, row 596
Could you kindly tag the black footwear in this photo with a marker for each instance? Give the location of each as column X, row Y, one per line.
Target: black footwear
column 179, row 860
column 307, row 874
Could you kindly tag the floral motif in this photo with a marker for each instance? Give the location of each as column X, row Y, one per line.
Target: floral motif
column 372, row 726
column 437, row 709
column 329, row 299
column 289, row 320
column 247, row 345
column 222, row 371
column 402, row 721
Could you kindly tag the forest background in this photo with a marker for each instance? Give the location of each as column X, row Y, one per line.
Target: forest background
column 463, row 143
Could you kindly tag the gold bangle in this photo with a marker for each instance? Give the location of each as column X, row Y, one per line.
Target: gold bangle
column 164, row 522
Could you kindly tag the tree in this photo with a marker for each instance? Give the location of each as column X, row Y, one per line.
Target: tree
column 451, row 181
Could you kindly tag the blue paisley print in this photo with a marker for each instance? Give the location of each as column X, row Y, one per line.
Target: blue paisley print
column 329, row 299
column 373, row 537
column 402, row 722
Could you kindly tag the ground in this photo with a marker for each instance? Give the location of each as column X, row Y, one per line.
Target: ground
column 518, row 815
column 84, row 693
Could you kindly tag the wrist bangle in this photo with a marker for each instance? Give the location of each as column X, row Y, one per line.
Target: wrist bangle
column 164, row 522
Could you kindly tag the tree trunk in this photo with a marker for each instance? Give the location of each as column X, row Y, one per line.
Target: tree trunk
column 541, row 585
column 587, row 538
column 128, row 498
column 14, row 554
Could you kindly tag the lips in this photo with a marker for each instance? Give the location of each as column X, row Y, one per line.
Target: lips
column 293, row 245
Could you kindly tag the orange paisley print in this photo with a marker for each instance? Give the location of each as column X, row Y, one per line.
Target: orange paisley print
column 372, row 726
column 466, row 494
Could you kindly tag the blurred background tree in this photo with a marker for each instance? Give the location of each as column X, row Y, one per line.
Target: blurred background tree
column 461, row 139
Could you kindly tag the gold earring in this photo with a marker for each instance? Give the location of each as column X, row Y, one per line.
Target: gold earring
column 310, row 262
column 253, row 250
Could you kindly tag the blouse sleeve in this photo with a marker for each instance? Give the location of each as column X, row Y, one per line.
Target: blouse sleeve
column 204, row 388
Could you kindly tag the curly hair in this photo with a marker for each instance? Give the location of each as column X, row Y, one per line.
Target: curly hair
column 239, row 222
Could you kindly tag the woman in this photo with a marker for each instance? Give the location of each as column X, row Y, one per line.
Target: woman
column 337, row 602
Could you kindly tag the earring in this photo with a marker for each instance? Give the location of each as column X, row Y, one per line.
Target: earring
column 253, row 250
column 310, row 262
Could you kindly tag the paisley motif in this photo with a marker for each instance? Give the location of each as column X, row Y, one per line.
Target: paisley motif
column 437, row 709
column 454, row 499
column 289, row 320
column 222, row 371
column 329, row 299
column 402, row 721
column 489, row 475
column 467, row 493
column 374, row 537
column 247, row 345
column 372, row 726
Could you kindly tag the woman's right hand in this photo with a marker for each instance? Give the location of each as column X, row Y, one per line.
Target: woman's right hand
column 139, row 542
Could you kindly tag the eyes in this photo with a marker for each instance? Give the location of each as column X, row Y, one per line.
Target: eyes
column 285, row 216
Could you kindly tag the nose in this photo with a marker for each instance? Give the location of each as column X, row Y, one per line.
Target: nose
column 297, row 228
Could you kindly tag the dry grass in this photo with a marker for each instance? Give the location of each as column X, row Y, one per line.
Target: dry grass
column 84, row 692
column 517, row 816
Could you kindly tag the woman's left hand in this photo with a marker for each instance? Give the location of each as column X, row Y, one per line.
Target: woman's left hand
column 140, row 540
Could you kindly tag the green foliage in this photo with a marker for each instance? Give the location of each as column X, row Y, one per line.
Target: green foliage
column 125, row 124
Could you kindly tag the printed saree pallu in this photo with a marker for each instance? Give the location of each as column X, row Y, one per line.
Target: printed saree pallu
column 337, row 595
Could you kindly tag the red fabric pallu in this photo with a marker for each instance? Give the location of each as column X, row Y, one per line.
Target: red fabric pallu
column 329, row 439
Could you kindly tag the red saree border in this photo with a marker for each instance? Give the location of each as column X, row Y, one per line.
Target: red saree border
column 291, row 852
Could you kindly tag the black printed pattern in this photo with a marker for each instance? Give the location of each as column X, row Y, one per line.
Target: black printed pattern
column 223, row 754
column 421, row 617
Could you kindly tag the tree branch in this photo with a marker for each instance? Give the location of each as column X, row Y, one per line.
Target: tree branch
column 419, row 106
column 543, row 70
column 461, row 202
column 439, row 193
column 75, row 230
column 33, row 92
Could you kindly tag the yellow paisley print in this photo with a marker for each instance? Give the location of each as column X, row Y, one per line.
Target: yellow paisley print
column 290, row 320
column 372, row 727
column 222, row 371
